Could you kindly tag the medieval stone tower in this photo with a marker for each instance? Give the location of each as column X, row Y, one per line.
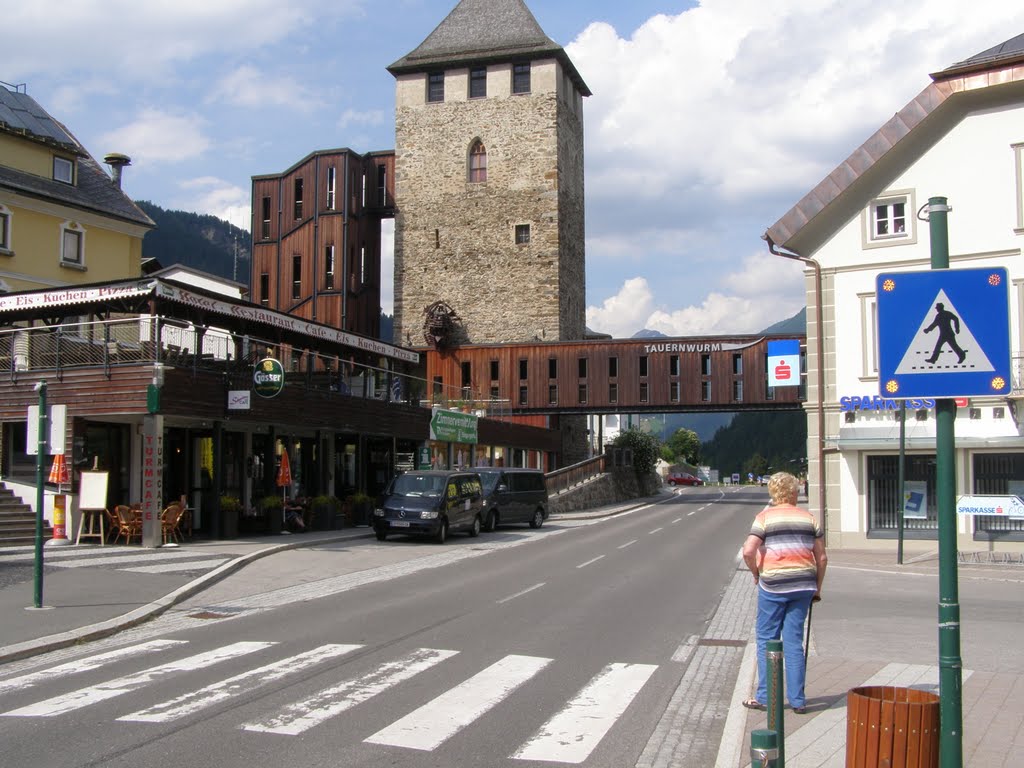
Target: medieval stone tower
column 489, row 179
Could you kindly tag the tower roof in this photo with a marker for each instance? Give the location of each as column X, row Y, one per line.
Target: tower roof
column 483, row 31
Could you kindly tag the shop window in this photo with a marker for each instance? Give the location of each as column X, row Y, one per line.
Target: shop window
column 998, row 474
column 884, row 496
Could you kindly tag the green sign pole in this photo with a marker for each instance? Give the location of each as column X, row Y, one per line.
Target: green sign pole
column 950, row 663
column 44, row 431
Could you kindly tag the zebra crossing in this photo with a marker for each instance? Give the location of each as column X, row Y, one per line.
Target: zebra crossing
column 569, row 735
column 132, row 560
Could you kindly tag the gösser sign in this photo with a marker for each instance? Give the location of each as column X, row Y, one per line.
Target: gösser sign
column 268, row 378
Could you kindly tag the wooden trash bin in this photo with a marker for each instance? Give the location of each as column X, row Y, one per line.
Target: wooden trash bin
column 889, row 727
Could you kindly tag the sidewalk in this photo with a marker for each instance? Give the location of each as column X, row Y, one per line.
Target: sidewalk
column 877, row 625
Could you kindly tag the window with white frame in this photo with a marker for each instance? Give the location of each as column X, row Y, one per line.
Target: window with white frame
column 869, row 335
column 331, row 184
column 889, row 220
column 63, row 170
column 5, row 230
column 1018, row 173
column 72, row 245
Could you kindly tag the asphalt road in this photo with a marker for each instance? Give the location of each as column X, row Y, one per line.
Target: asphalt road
column 521, row 648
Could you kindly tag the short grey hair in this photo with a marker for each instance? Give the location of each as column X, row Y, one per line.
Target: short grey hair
column 783, row 488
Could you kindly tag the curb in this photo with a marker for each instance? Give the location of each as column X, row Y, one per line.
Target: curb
column 109, row 627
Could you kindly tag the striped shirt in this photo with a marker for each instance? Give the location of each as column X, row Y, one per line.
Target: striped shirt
column 787, row 561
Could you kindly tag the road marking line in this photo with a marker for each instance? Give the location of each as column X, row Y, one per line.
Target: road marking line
column 520, row 594
column 437, row 721
column 83, row 697
column 87, row 664
column 302, row 715
column 594, row 560
column 691, row 514
column 142, row 557
column 217, row 692
column 677, row 520
column 573, row 733
column 623, row 546
column 651, row 533
column 685, row 650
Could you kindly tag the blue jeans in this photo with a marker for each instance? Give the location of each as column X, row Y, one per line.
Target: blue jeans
column 782, row 616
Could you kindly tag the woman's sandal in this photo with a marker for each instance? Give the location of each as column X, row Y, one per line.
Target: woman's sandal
column 754, row 704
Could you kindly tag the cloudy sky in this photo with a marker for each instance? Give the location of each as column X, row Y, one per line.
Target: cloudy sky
column 709, row 120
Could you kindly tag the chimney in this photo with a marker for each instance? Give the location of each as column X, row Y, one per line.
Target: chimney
column 116, row 161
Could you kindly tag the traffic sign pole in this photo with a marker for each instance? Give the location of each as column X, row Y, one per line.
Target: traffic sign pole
column 950, row 663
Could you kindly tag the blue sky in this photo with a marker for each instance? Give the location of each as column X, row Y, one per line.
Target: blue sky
column 709, row 120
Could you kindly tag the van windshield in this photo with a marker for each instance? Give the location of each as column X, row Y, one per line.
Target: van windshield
column 489, row 480
column 412, row 484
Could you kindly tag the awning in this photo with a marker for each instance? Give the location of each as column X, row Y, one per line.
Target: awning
column 64, row 296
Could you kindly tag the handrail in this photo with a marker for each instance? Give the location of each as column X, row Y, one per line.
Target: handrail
column 569, row 477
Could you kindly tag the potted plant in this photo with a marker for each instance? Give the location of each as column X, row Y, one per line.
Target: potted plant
column 325, row 511
column 271, row 509
column 231, row 514
column 360, row 508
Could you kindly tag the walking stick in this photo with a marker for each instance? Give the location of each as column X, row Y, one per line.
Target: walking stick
column 807, row 642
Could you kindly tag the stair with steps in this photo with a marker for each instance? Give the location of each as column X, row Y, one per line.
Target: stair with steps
column 17, row 520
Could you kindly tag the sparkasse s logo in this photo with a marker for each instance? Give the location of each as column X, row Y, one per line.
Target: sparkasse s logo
column 268, row 378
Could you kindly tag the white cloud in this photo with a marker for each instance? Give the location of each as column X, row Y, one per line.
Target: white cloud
column 246, row 86
column 352, row 118
column 136, row 40
column 625, row 313
column 216, row 197
column 159, row 137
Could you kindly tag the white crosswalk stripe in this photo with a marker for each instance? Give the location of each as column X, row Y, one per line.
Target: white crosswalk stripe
column 134, row 559
column 571, row 735
column 93, row 694
column 434, row 723
column 225, row 689
column 303, row 715
column 188, row 565
column 84, row 665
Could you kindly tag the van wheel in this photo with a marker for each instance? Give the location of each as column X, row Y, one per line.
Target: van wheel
column 492, row 522
column 538, row 519
column 474, row 531
column 381, row 536
column 442, row 533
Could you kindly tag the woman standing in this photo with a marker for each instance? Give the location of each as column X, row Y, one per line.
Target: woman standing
column 785, row 552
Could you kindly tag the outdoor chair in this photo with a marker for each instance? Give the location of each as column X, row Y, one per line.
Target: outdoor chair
column 170, row 520
column 129, row 524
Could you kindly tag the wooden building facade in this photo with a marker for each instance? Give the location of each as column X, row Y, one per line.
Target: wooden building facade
column 316, row 244
column 712, row 373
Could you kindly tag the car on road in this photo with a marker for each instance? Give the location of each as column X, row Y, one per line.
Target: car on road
column 683, row 478
column 513, row 495
column 430, row 503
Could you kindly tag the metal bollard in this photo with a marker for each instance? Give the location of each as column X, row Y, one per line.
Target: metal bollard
column 776, row 697
column 764, row 750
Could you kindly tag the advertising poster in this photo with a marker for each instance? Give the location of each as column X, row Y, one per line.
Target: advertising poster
column 915, row 500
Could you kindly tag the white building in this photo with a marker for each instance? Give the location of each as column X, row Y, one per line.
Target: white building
column 961, row 138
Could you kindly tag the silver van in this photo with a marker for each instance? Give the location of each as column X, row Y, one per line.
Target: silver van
column 513, row 496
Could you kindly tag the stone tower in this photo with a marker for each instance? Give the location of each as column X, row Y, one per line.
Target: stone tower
column 489, row 179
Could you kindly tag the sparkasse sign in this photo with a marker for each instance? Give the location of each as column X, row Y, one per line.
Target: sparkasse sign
column 268, row 378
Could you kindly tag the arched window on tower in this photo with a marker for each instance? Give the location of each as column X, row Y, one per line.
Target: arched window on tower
column 477, row 162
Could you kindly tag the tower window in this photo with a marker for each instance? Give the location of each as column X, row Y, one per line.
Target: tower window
column 478, row 82
column 296, row 277
column 265, row 289
column 435, row 87
column 331, row 185
column 329, row 268
column 521, row 78
column 265, row 231
column 522, row 234
column 298, row 198
column 478, row 162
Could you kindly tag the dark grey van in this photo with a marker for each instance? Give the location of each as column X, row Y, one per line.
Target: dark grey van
column 513, row 496
column 430, row 503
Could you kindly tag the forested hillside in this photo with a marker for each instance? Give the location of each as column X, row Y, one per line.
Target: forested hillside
column 202, row 242
column 759, row 442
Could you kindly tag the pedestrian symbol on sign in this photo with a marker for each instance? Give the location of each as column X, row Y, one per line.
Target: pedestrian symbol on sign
column 955, row 349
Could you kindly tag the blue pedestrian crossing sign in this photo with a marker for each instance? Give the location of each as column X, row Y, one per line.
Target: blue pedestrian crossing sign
column 944, row 333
